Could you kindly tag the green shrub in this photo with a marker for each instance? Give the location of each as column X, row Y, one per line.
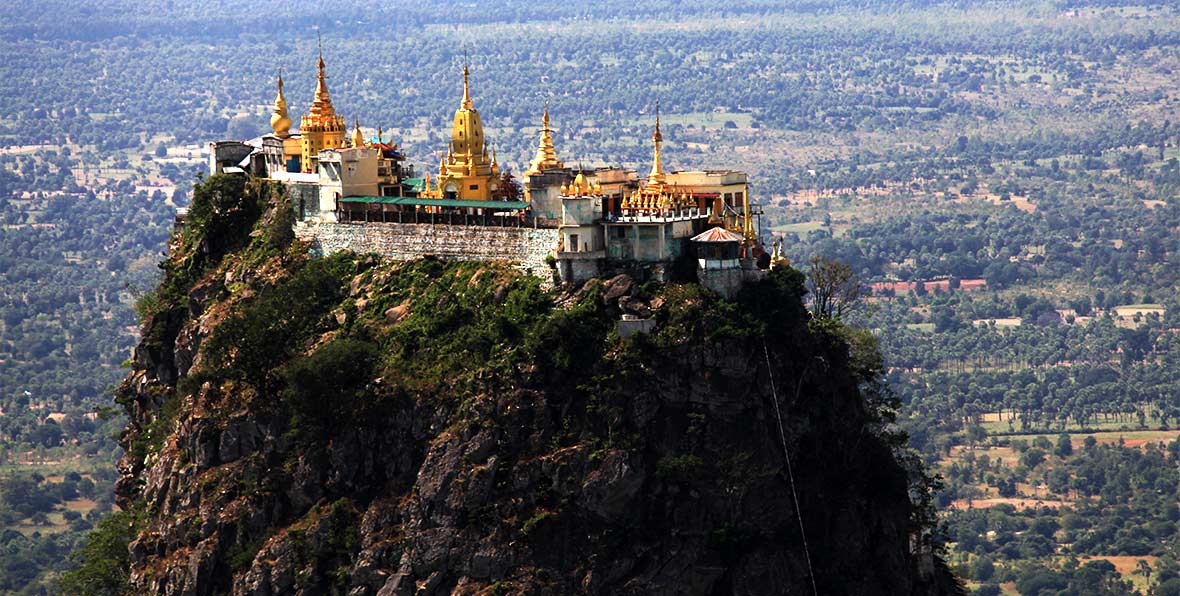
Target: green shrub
column 102, row 565
column 679, row 467
column 530, row 525
column 323, row 389
column 275, row 324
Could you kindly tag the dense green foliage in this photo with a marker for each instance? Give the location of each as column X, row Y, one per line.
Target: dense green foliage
column 104, row 559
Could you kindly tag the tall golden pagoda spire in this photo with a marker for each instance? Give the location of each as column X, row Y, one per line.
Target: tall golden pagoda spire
column 657, row 167
column 321, row 127
column 322, row 104
column 280, row 121
column 546, row 157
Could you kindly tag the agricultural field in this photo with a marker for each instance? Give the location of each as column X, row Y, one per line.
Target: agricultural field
column 1040, row 501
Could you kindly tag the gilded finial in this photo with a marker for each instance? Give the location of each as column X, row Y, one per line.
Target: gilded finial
column 358, row 140
column 578, row 188
column 657, row 166
column 466, row 88
column 319, row 42
column 322, row 104
column 656, row 136
column 280, row 121
column 546, row 156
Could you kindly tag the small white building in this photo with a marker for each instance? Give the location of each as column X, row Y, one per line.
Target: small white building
column 719, row 265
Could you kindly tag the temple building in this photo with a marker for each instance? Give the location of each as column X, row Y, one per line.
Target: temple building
column 611, row 215
column 583, row 222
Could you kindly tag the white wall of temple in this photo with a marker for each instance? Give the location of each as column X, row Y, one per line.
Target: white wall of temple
column 585, row 238
column 525, row 248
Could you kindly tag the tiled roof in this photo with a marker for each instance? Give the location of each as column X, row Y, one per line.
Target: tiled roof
column 717, row 234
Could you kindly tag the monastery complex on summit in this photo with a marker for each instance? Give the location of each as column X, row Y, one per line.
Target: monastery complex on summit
column 352, row 193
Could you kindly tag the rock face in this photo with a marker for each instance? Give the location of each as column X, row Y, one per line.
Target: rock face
column 463, row 432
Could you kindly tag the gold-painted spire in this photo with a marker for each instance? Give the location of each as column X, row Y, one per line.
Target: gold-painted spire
column 321, row 127
column 358, row 139
column 280, row 121
column 466, row 105
column 321, row 106
column 546, row 157
column 322, row 100
column 657, row 167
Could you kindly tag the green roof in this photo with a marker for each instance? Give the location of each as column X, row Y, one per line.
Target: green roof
column 415, row 201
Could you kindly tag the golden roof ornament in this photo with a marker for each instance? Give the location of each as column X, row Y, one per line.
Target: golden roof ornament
column 280, row 121
column 466, row 103
column 657, row 167
column 358, row 139
column 546, row 156
column 322, row 104
column 321, row 116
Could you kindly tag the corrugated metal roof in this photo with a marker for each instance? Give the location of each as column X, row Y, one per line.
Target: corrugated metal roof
column 717, row 234
column 415, row 201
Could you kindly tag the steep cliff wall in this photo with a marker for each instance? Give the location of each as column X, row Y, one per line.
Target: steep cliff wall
column 352, row 425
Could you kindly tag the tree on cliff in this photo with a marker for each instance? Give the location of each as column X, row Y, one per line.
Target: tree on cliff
column 835, row 289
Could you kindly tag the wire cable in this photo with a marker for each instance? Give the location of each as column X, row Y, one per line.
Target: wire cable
column 790, row 474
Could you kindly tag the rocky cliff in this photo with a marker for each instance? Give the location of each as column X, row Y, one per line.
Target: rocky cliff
column 348, row 425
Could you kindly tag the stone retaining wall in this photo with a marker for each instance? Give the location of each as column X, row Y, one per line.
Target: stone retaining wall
column 524, row 247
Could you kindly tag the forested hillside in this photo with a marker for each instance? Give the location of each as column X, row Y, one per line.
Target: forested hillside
column 1004, row 174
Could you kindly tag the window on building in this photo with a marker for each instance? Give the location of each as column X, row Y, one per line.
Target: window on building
column 473, row 187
